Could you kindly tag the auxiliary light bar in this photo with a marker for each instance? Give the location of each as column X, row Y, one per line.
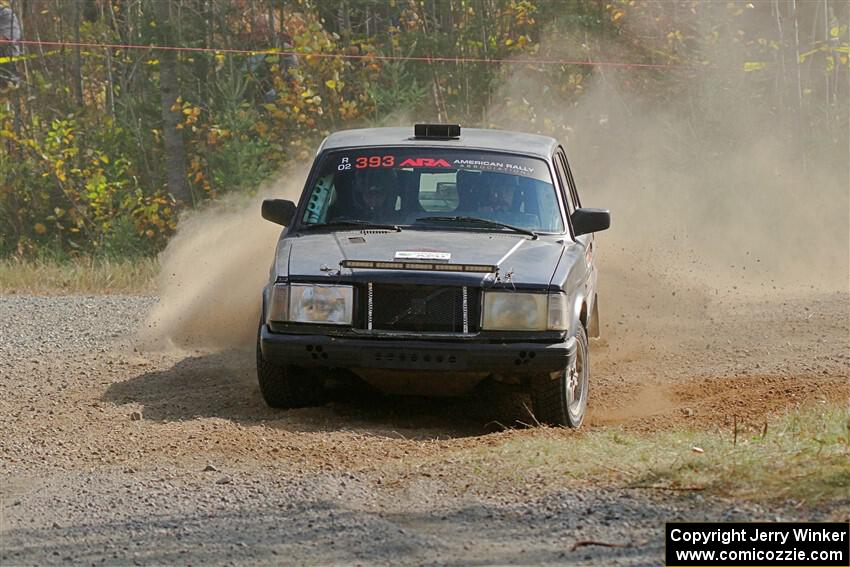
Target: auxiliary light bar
column 425, row 266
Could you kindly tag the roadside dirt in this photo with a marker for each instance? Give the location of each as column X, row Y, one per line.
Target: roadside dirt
column 700, row 347
column 99, row 441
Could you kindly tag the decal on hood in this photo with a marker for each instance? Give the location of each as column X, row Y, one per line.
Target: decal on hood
column 423, row 255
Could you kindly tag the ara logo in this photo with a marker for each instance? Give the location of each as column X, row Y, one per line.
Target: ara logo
column 424, row 162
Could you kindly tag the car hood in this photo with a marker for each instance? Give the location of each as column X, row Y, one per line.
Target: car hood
column 527, row 261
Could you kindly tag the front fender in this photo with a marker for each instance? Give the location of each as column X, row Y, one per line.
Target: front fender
column 593, row 330
column 583, row 302
column 577, row 303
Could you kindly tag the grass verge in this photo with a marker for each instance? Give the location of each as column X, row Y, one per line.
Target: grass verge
column 802, row 457
column 78, row 276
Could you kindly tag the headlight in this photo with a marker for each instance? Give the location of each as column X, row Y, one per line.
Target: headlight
column 514, row 311
column 308, row 303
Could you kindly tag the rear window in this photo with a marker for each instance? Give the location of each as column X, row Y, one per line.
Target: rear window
column 402, row 185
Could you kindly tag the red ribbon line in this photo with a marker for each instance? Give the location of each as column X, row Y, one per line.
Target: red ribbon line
column 427, row 59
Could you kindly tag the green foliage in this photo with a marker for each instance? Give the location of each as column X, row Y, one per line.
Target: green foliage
column 82, row 159
column 66, row 189
column 240, row 161
column 396, row 91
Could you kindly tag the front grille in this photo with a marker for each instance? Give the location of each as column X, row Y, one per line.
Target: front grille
column 424, row 309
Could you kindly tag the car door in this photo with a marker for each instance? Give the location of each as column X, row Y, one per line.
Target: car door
column 586, row 241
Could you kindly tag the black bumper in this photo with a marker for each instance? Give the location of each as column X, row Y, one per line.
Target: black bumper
column 514, row 358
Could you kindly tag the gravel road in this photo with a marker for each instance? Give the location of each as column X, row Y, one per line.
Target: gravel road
column 112, row 456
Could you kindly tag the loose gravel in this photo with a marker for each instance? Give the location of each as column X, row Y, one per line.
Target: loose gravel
column 112, row 456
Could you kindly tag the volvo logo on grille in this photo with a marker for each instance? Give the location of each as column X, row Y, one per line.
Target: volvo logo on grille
column 418, row 305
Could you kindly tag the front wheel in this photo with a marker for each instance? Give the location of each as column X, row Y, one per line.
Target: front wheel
column 562, row 401
column 286, row 386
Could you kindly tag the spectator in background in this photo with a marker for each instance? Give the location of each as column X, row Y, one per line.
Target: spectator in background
column 10, row 30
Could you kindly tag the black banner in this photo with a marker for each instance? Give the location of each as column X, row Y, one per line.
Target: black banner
column 757, row 544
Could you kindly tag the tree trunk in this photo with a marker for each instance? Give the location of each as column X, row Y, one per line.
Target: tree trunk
column 782, row 75
column 345, row 19
column 78, row 59
column 169, row 90
column 800, row 132
column 110, row 80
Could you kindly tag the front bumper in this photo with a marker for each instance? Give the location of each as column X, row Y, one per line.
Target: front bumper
column 502, row 358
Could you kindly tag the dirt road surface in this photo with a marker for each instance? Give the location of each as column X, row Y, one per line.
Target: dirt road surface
column 113, row 456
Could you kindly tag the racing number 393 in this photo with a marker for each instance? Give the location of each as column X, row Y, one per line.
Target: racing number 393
column 374, row 161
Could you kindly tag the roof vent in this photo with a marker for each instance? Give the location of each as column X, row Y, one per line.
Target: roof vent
column 436, row 131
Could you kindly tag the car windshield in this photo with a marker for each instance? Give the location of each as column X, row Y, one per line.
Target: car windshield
column 412, row 186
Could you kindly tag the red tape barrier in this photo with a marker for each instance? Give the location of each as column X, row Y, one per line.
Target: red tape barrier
column 368, row 56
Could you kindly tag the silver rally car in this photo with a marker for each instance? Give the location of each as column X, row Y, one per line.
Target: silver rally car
column 433, row 254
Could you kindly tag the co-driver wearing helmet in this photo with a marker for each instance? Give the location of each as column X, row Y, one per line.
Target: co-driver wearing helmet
column 496, row 192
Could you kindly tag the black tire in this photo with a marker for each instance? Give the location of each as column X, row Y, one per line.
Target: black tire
column 553, row 400
column 287, row 386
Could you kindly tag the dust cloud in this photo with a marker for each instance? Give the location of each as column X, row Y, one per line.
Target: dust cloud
column 212, row 273
column 712, row 191
column 717, row 184
column 722, row 198
column 726, row 203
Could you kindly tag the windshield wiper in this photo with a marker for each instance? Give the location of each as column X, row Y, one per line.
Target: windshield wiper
column 476, row 220
column 348, row 223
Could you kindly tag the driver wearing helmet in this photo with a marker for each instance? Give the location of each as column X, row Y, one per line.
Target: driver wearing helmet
column 372, row 195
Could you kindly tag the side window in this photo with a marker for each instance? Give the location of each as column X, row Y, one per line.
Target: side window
column 572, row 182
column 321, row 199
column 563, row 179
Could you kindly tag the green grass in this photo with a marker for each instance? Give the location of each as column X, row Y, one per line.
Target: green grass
column 804, row 457
column 78, row 276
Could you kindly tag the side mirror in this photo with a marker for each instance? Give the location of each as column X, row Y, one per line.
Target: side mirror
column 590, row 220
column 279, row 211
